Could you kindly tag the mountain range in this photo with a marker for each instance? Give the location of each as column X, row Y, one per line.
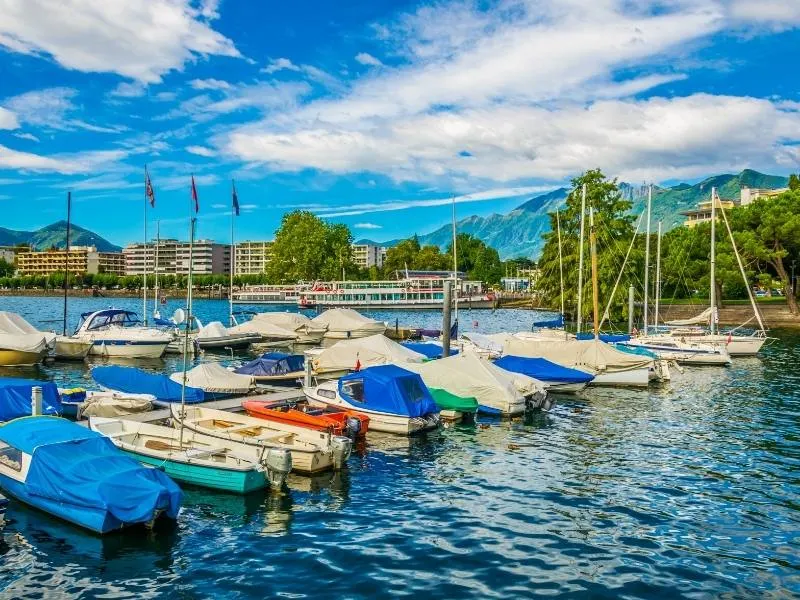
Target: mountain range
column 55, row 235
column 518, row 233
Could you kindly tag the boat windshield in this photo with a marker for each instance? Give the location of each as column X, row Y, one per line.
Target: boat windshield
column 108, row 318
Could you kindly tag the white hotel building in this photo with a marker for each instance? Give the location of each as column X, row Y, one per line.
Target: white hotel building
column 208, row 258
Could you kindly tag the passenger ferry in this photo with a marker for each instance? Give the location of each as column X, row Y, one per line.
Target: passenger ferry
column 269, row 294
column 418, row 291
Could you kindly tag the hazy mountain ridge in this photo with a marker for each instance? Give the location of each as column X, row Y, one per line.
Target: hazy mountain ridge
column 55, row 235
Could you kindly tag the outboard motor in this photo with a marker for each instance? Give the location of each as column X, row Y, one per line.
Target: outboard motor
column 352, row 427
column 278, row 463
column 341, row 447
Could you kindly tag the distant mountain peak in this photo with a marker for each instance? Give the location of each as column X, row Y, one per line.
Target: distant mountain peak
column 55, row 235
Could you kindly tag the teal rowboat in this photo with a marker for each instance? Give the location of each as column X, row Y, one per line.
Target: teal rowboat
column 194, row 459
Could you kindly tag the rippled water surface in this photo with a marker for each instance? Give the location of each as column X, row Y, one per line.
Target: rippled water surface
column 687, row 490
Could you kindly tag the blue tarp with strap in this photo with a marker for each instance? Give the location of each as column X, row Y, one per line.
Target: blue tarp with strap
column 556, row 323
column 388, row 389
column 428, row 349
column 15, row 397
column 77, row 466
column 136, row 381
column 608, row 338
column 272, row 363
column 543, row 369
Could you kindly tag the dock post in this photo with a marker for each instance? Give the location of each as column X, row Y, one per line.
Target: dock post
column 307, row 377
column 630, row 309
column 36, row 401
column 446, row 319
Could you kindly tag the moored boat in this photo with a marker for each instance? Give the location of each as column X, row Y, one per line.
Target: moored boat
column 275, row 368
column 131, row 380
column 360, row 353
column 70, row 348
column 21, row 344
column 312, row 451
column 194, row 458
column 120, row 333
column 15, row 397
column 395, row 400
column 215, row 380
column 348, row 423
column 215, row 336
column 78, row 475
column 345, row 324
column 553, row 376
column 78, row 403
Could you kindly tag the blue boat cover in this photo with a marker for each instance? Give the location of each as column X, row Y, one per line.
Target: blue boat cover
column 556, row 323
column 543, row 369
column 608, row 338
column 388, row 389
column 428, row 349
column 136, row 381
column 272, row 363
column 76, row 466
column 15, row 397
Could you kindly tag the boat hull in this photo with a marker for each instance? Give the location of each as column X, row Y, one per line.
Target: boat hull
column 18, row 358
column 71, row 349
column 128, row 349
column 631, row 378
column 224, row 480
column 226, row 343
column 564, row 388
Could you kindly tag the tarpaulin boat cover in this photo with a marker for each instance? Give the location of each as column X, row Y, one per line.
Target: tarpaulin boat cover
column 273, row 363
column 215, row 329
column 543, row 369
column 264, row 328
column 608, row 338
column 594, row 356
column 704, row 318
column 15, row 397
column 12, row 323
column 288, row 320
column 114, row 404
column 214, row 378
column 556, row 323
column 366, row 352
column 447, row 401
column 469, row 375
column 77, row 466
column 388, row 389
column 429, row 349
column 346, row 320
column 23, row 342
column 136, row 381
column 489, row 343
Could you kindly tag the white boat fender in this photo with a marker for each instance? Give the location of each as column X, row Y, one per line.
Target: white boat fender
column 342, row 447
column 352, row 427
column 278, row 463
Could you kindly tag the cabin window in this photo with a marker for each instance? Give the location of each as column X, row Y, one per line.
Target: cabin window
column 10, row 457
column 329, row 394
column 354, row 389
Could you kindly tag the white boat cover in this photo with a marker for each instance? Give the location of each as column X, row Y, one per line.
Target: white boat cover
column 489, row 343
column 591, row 355
column 23, row 342
column 289, row 320
column 214, row 378
column 263, row 328
column 348, row 320
column 115, row 404
column 13, row 324
column 703, row 318
column 366, row 351
column 469, row 375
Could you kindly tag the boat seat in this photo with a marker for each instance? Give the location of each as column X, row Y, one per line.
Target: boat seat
column 278, row 438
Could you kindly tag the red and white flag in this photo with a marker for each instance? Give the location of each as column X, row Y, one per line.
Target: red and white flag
column 194, row 197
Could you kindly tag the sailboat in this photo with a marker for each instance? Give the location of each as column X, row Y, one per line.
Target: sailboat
column 736, row 344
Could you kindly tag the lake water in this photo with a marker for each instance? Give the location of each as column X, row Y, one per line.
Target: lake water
column 687, row 490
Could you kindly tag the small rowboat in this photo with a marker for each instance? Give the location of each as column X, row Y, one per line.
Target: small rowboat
column 348, row 423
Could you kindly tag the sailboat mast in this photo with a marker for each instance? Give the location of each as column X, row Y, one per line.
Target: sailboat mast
column 658, row 275
column 713, row 287
column 232, row 262
column 155, row 270
column 580, row 258
column 595, row 291
column 188, row 322
column 455, row 260
column 144, row 276
column 66, row 258
column 646, row 308
column 560, row 263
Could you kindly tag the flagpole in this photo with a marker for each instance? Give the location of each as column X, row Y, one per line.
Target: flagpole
column 66, row 258
column 144, row 277
column 156, row 311
column 193, row 197
column 233, row 255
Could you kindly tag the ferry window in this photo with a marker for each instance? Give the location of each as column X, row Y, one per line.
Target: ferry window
column 329, row 394
column 10, row 457
column 354, row 389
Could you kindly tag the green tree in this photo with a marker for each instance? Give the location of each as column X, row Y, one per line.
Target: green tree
column 401, row 256
column 794, row 182
column 6, row 268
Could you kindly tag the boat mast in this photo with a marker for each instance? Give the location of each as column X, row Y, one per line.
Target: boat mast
column 156, row 312
column 233, row 258
column 580, row 258
column 658, row 275
column 595, row 291
column 144, row 277
column 455, row 260
column 647, row 257
column 66, row 258
column 188, row 321
column 560, row 263
column 713, row 287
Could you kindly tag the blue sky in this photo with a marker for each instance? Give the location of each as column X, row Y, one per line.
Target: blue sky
column 375, row 113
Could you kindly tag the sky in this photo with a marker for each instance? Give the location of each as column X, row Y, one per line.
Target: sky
column 375, row 113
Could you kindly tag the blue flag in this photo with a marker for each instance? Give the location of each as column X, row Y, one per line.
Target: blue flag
column 235, row 199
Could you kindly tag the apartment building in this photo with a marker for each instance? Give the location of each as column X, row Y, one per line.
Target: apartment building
column 368, row 255
column 749, row 195
column 252, row 257
column 208, row 258
column 82, row 260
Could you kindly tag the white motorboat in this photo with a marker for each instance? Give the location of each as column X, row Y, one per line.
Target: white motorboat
column 119, row 333
column 70, row 348
column 395, row 400
column 345, row 324
column 682, row 352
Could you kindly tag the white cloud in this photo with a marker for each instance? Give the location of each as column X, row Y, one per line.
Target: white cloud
column 201, row 151
column 280, row 64
column 780, row 14
column 368, row 59
column 367, row 226
column 8, row 119
column 210, row 84
column 27, row 136
column 138, row 40
column 51, row 108
column 66, row 164
column 129, row 90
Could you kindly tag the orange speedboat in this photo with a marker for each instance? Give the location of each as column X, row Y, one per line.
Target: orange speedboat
column 339, row 422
